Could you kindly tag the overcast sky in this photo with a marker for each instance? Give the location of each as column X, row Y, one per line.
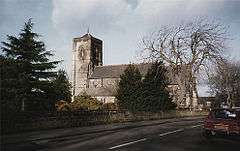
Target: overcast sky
column 119, row 23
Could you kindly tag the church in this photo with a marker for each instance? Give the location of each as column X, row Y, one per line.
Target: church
column 100, row 81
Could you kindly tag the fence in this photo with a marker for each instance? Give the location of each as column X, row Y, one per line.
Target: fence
column 30, row 121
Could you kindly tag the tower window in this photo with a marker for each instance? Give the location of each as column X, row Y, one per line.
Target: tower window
column 81, row 53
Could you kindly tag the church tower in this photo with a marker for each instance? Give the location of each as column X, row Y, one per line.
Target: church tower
column 87, row 53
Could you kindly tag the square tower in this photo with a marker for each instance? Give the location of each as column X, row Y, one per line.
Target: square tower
column 87, row 53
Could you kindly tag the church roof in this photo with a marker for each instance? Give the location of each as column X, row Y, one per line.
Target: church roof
column 114, row 71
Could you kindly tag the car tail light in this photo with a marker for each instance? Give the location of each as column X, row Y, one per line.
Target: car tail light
column 208, row 122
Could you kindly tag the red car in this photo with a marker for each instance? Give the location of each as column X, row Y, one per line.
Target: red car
column 225, row 121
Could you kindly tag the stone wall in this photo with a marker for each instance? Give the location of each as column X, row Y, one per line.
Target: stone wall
column 41, row 121
column 87, row 53
column 103, row 89
column 81, row 62
column 103, row 82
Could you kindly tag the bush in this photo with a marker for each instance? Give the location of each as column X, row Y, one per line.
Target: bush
column 62, row 106
column 85, row 102
column 110, row 106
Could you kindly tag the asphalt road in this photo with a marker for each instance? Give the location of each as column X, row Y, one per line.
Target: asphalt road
column 185, row 135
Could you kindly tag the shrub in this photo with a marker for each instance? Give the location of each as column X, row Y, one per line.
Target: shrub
column 110, row 106
column 85, row 102
column 62, row 106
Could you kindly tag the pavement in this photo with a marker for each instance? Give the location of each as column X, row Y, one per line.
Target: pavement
column 169, row 134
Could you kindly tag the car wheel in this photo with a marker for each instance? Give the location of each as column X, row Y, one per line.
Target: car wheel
column 208, row 133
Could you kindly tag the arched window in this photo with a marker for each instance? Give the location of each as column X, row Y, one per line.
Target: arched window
column 81, row 53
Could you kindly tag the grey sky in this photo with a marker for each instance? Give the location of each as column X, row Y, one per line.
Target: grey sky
column 119, row 23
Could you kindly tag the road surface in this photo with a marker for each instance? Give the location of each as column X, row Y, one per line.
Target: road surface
column 180, row 135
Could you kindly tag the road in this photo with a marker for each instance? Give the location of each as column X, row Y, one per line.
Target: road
column 180, row 135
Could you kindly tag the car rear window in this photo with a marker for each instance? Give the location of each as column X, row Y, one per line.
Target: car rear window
column 226, row 114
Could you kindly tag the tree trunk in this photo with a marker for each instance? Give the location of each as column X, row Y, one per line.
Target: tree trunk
column 23, row 105
column 192, row 90
column 194, row 94
column 229, row 103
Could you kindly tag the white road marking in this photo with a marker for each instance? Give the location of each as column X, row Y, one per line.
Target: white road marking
column 129, row 143
column 144, row 139
column 196, row 125
column 167, row 133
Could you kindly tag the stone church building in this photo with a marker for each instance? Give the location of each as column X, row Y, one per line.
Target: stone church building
column 91, row 76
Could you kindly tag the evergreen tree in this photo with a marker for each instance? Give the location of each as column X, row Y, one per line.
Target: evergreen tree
column 62, row 87
column 155, row 96
column 8, row 84
column 128, row 89
column 26, row 72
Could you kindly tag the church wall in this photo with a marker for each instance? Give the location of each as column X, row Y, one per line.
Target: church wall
column 112, row 82
column 105, row 99
column 103, row 82
column 95, row 83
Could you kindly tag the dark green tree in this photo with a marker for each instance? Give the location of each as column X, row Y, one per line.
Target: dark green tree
column 129, row 89
column 155, row 96
column 62, row 87
column 8, row 84
column 26, row 72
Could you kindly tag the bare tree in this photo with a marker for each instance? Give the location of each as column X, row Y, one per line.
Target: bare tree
column 186, row 49
column 225, row 82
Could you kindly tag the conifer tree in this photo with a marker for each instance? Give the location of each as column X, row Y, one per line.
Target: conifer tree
column 62, row 87
column 128, row 89
column 26, row 72
column 8, row 84
column 155, row 96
